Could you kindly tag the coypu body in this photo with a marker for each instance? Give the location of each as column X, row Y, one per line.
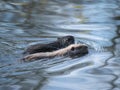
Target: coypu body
column 72, row 51
column 58, row 44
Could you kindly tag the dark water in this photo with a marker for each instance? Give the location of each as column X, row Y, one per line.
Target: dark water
column 93, row 22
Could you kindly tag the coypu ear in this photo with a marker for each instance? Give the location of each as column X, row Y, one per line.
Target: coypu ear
column 65, row 39
column 58, row 38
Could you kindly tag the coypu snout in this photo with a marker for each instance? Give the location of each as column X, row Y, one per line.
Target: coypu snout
column 78, row 51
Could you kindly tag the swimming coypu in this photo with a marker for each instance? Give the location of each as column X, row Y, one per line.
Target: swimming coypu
column 72, row 50
column 61, row 42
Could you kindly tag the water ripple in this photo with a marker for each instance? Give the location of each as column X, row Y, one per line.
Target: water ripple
column 94, row 23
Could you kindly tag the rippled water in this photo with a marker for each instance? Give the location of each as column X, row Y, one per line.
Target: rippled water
column 93, row 22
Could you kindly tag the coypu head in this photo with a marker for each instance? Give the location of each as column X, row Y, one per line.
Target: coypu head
column 78, row 50
column 66, row 40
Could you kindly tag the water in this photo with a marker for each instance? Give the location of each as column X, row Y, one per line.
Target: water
column 93, row 22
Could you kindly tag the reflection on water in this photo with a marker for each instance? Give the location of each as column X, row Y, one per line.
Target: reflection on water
column 26, row 22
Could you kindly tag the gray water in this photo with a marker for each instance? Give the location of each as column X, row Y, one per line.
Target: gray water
column 93, row 22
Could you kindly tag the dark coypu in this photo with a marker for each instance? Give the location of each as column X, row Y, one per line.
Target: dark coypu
column 58, row 44
column 72, row 50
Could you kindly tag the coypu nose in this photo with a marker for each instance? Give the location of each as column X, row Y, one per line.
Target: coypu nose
column 84, row 49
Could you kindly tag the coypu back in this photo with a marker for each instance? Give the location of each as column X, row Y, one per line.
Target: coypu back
column 61, row 42
column 72, row 51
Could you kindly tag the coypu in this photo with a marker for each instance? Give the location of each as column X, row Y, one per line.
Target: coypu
column 72, row 50
column 61, row 42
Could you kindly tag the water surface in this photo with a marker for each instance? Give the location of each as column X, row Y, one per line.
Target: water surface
column 27, row 22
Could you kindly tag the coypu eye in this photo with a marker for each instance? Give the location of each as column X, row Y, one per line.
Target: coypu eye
column 72, row 48
column 68, row 39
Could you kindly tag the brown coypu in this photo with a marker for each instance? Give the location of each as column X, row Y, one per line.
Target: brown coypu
column 61, row 42
column 72, row 50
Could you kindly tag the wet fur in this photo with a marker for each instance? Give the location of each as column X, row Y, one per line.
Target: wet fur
column 58, row 44
column 71, row 50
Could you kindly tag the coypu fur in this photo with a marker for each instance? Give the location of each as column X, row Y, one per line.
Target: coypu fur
column 72, row 51
column 58, row 44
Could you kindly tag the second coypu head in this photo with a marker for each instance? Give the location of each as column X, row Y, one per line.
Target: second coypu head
column 78, row 50
column 66, row 40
